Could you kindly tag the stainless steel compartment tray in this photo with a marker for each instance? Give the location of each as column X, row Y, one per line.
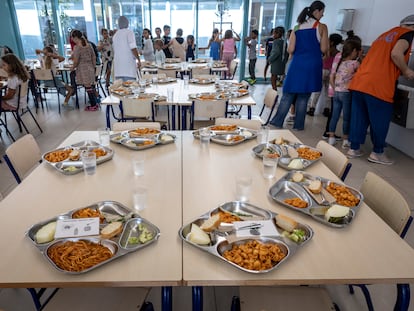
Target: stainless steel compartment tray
column 222, row 240
column 134, row 143
column 262, row 149
column 120, row 245
column 286, row 188
column 286, row 158
column 69, row 167
column 224, row 137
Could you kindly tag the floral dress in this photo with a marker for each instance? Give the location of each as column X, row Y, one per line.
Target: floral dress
column 85, row 65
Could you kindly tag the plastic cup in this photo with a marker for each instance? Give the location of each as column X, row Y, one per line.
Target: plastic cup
column 89, row 162
column 139, row 198
column 269, row 166
column 142, row 85
column 263, row 135
column 138, row 165
column 205, row 135
column 104, row 136
column 186, row 79
column 170, row 95
column 243, row 188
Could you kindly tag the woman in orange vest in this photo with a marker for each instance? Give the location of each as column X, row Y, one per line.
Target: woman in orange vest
column 373, row 88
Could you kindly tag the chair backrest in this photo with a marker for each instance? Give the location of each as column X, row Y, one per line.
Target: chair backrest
column 233, row 67
column 98, row 72
column 149, row 76
column 123, row 126
column 200, row 71
column 23, row 156
column 209, row 108
column 270, row 98
column 334, row 159
column 43, row 74
column 204, row 76
column 250, row 124
column 22, row 96
column 386, row 201
column 168, row 73
column 138, row 108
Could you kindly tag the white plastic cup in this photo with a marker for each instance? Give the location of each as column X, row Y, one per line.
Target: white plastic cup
column 186, row 79
column 89, row 162
column 205, row 135
column 170, row 95
column 269, row 166
column 263, row 135
column 142, row 85
column 243, row 188
column 138, row 165
column 139, row 198
column 104, row 136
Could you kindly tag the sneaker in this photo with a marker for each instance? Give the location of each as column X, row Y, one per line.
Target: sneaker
column 91, row 108
column 291, row 120
column 326, row 112
column 338, row 137
column 354, row 153
column 325, row 136
column 331, row 140
column 311, row 112
column 346, row 144
column 379, row 158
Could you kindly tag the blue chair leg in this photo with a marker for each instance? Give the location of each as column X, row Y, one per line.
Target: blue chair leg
column 166, row 300
column 403, row 297
column 366, row 293
column 36, row 295
column 235, row 304
column 197, row 298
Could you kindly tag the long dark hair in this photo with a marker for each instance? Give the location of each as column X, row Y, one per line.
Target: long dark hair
column 150, row 35
column 16, row 66
column 347, row 49
column 308, row 11
column 77, row 34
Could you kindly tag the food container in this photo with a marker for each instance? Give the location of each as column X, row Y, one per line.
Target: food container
column 301, row 163
column 286, row 188
column 142, row 142
column 266, row 149
column 68, row 166
column 133, row 226
column 230, row 137
column 225, row 236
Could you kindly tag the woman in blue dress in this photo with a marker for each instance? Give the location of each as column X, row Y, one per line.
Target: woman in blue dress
column 307, row 44
column 214, row 45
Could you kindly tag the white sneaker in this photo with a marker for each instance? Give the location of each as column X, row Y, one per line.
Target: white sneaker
column 331, row 141
column 354, row 153
column 346, row 144
column 379, row 158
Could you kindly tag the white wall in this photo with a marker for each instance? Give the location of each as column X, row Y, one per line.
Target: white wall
column 372, row 17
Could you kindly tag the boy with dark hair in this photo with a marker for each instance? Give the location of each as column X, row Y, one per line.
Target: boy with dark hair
column 251, row 42
column 166, row 40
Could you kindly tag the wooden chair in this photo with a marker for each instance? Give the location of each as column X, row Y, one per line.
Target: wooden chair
column 23, row 156
column 99, row 75
column 137, row 108
column 123, row 126
column 270, row 102
column 45, row 81
column 149, row 76
column 388, row 203
column 250, row 124
column 171, row 73
column 207, row 110
column 334, row 159
column 292, row 298
column 196, row 71
column 233, row 69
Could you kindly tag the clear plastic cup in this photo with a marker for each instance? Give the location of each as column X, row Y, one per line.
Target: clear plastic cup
column 89, row 162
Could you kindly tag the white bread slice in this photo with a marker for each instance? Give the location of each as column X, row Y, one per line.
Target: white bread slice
column 112, row 229
column 211, row 223
column 315, row 186
column 286, row 223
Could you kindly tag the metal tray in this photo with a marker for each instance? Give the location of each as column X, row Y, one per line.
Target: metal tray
column 286, row 158
column 223, row 241
column 225, row 137
column 69, row 167
column 262, row 149
column 118, row 245
column 136, row 143
column 286, row 188
column 202, row 81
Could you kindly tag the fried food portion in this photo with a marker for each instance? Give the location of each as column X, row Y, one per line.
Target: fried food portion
column 228, row 217
column 236, row 138
column 255, row 255
column 343, row 195
column 100, row 152
column 143, row 131
column 88, row 212
column 58, row 155
column 308, row 154
column 228, row 128
column 78, row 256
column 296, row 202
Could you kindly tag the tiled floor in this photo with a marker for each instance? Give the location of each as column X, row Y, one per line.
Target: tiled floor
column 56, row 127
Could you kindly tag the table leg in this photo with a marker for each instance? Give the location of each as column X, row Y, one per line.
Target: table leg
column 403, row 297
column 173, row 117
column 197, row 292
column 183, row 118
column 166, row 298
column 108, row 116
column 249, row 112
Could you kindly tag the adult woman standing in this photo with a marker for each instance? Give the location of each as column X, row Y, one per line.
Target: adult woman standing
column 84, row 61
column 308, row 42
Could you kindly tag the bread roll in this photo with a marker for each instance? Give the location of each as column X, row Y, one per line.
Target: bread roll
column 315, row 186
column 286, row 223
column 210, row 224
column 111, row 230
column 74, row 155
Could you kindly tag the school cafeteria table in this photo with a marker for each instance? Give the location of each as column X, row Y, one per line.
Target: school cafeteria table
column 46, row 193
column 368, row 251
column 181, row 99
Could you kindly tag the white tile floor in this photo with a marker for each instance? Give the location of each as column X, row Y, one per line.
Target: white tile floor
column 56, row 127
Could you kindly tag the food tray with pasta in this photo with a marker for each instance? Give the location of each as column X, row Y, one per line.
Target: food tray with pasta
column 202, row 80
column 120, row 232
column 297, row 156
column 142, row 138
column 327, row 201
column 267, row 239
column 67, row 160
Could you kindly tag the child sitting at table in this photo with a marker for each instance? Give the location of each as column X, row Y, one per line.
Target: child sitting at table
column 159, row 53
column 17, row 74
column 50, row 60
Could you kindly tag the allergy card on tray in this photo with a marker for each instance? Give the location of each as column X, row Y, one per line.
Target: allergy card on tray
column 260, row 228
column 79, row 227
